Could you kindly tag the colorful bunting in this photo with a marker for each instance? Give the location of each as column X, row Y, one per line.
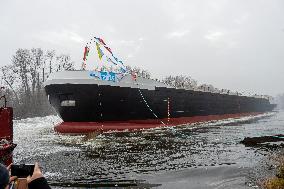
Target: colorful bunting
column 87, row 53
column 100, row 42
column 103, row 43
column 100, row 52
column 108, row 76
column 104, row 75
column 109, row 50
column 122, row 70
column 111, row 76
column 134, row 76
column 110, row 60
column 115, row 58
column 84, row 65
column 119, row 76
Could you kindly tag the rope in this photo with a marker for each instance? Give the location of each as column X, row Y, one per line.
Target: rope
column 171, row 128
column 101, row 114
column 169, row 110
column 149, row 106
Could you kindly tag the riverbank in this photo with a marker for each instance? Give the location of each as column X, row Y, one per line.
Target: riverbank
column 271, row 167
column 276, row 181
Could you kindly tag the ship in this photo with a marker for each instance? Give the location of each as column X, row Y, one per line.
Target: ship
column 89, row 101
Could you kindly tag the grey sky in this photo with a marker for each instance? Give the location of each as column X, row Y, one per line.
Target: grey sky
column 233, row 44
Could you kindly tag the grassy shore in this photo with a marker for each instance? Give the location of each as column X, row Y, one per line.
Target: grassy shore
column 276, row 182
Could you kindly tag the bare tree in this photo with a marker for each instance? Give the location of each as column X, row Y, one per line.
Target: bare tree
column 22, row 78
column 21, row 62
column 64, row 63
column 36, row 64
column 180, row 81
column 8, row 75
column 139, row 71
column 50, row 55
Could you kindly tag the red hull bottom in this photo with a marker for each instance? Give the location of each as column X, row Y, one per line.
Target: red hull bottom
column 89, row 127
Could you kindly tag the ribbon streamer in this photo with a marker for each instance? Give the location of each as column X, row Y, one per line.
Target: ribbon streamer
column 110, row 60
column 100, row 52
column 86, row 53
column 100, row 42
column 109, row 50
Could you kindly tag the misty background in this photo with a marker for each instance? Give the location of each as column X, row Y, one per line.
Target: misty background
column 231, row 44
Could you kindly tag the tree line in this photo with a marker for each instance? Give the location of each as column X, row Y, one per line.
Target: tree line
column 23, row 80
column 24, row 77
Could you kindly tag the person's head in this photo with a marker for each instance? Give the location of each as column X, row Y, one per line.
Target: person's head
column 4, row 177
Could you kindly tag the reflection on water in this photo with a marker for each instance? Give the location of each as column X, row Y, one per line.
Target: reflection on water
column 120, row 159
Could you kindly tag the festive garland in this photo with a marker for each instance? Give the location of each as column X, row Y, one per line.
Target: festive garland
column 100, row 42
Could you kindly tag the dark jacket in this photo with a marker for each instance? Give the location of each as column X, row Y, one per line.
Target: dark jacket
column 39, row 183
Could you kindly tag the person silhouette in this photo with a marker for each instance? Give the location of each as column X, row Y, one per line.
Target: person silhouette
column 35, row 181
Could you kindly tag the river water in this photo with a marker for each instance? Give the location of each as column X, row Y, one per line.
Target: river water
column 204, row 155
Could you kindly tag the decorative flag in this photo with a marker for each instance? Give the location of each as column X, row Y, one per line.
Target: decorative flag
column 119, row 76
column 86, row 53
column 103, row 75
column 95, row 74
column 109, row 50
column 134, row 76
column 84, row 65
column 111, row 76
column 122, row 70
column 102, row 41
column 110, row 60
column 100, row 52
column 120, row 62
column 115, row 58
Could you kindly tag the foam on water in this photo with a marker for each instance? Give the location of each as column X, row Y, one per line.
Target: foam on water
column 35, row 136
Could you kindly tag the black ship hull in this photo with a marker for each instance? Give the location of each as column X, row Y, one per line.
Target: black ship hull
column 90, row 104
column 97, row 103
